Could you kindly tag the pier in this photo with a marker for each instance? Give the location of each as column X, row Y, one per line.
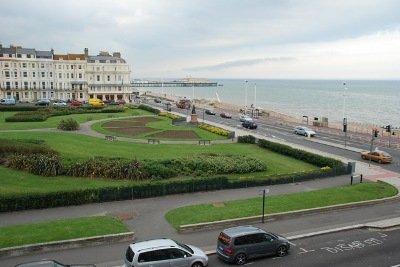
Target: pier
column 173, row 84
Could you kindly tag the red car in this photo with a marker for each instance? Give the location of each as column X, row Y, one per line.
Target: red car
column 76, row 103
column 225, row 115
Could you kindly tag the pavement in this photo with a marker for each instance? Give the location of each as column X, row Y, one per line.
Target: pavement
column 145, row 217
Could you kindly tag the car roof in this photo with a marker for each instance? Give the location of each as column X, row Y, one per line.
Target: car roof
column 242, row 230
column 154, row 243
column 42, row 263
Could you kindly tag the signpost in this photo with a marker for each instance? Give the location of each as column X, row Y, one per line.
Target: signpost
column 263, row 192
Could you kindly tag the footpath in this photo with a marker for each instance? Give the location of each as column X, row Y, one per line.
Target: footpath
column 145, row 217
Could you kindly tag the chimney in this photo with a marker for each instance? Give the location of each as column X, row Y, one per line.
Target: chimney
column 86, row 52
column 117, row 54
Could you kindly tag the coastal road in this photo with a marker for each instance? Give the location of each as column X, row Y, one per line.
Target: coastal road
column 285, row 133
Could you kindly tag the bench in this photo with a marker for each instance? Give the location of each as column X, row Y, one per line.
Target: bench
column 110, row 138
column 204, row 142
column 153, row 141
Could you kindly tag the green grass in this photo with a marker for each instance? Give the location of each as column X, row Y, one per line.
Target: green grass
column 282, row 203
column 15, row 182
column 75, row 147
column 25, row 234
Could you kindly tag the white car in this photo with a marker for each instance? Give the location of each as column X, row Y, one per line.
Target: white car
column 302, row 130
column 59, row 103
column 244, row 117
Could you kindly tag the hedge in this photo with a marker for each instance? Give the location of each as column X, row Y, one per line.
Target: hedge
column 149, row 109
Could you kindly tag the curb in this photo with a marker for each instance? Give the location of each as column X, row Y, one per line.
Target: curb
column 256, row 219
column 66, row 244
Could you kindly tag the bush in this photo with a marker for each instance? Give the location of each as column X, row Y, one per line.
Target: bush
column 214, row 129
column 39, row 164
column 306, row 156
column 248, row 139
column 24, row 146
column 68, row 125
column 149, row 109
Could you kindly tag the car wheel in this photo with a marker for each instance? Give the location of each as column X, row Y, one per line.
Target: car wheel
column 305, row 134
column 363, row 157
column 281, row 251
column 240, row 259
column 197, row 264
column 379, row 161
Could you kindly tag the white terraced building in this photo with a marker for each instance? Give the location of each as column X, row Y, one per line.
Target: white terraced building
column 28, row 74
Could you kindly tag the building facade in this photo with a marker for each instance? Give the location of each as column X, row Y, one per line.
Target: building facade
column 28, row 75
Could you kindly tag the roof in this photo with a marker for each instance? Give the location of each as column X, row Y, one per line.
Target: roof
column 240, row 230
column 154, row 243
column 69, row 57
column 44, row 54
column 105, row 58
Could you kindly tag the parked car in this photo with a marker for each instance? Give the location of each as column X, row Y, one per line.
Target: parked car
column 59, row 103
column 157, row 100
column 377, row 155
column 96, row 102
column 244, row 117
column 241, row 243
column 225, row 115
column 249, row 124
column 50, row 263
column 302, row 130
column 42, row 102
column 7, row 101
column 164, row 252
column 210, row 112
column 76, row 103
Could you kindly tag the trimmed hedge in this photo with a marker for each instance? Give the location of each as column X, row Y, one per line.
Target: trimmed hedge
column 306, row 156
column 149, row 109
column 42, row 113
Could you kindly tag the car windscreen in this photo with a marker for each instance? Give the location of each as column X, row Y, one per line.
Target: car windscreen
column 184, row 246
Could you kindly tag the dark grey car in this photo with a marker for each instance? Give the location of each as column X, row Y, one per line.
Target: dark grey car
column 238, row 244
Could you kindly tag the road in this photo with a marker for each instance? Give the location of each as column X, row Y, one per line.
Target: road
column 357, row 248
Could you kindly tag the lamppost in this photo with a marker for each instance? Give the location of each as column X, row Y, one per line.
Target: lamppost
column 245, row 96
column 344, row 115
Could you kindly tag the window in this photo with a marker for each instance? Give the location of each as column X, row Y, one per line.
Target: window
column 6, row 65
column 34, row 74
column 15, row 74
column 7, row 74
column 33, row 65
column 43, row 74
column 67, row 75
column 16, row 85
column 25, row 85
column 59, row 67
column 24, row 65
column 80, row 75
column 72, row 67
column 51, row 74
column 25, row 74
column 59, row 75
column 60, row 85
column 108, row 77
column 72, row 75
column 42, row 65
column 8, row 85
column 98, row 78
column 43, row 85
column 34, row 85
column 51, row 85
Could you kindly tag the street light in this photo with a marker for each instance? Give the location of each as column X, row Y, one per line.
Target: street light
column 245, row 96
column 344, row 114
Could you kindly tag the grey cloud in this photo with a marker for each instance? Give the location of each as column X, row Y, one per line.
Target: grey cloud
column 239, row 63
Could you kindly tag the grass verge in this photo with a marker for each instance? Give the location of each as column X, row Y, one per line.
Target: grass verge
column 282, row 203
column 25, row 234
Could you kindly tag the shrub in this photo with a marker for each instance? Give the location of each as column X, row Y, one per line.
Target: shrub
column 248, row 139
column 68, row 125
column 24, row 146
column 39, row 164
column 149, row 109
column 213, row 129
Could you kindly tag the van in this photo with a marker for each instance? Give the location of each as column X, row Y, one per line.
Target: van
column 164, row 252
column 241, row 243
column 95, row 102
column 7, row 101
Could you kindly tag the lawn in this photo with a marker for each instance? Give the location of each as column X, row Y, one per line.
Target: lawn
column 281, row 203
column 25, row 234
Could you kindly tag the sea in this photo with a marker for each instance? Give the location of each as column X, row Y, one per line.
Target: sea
column 374, row 102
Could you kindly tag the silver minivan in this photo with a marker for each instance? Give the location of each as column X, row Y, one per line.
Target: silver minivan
column 238, row 244
column 164, row 252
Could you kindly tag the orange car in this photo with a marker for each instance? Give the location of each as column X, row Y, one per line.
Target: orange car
column 377, row 155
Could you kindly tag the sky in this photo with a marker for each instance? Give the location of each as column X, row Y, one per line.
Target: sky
column 215, row 39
